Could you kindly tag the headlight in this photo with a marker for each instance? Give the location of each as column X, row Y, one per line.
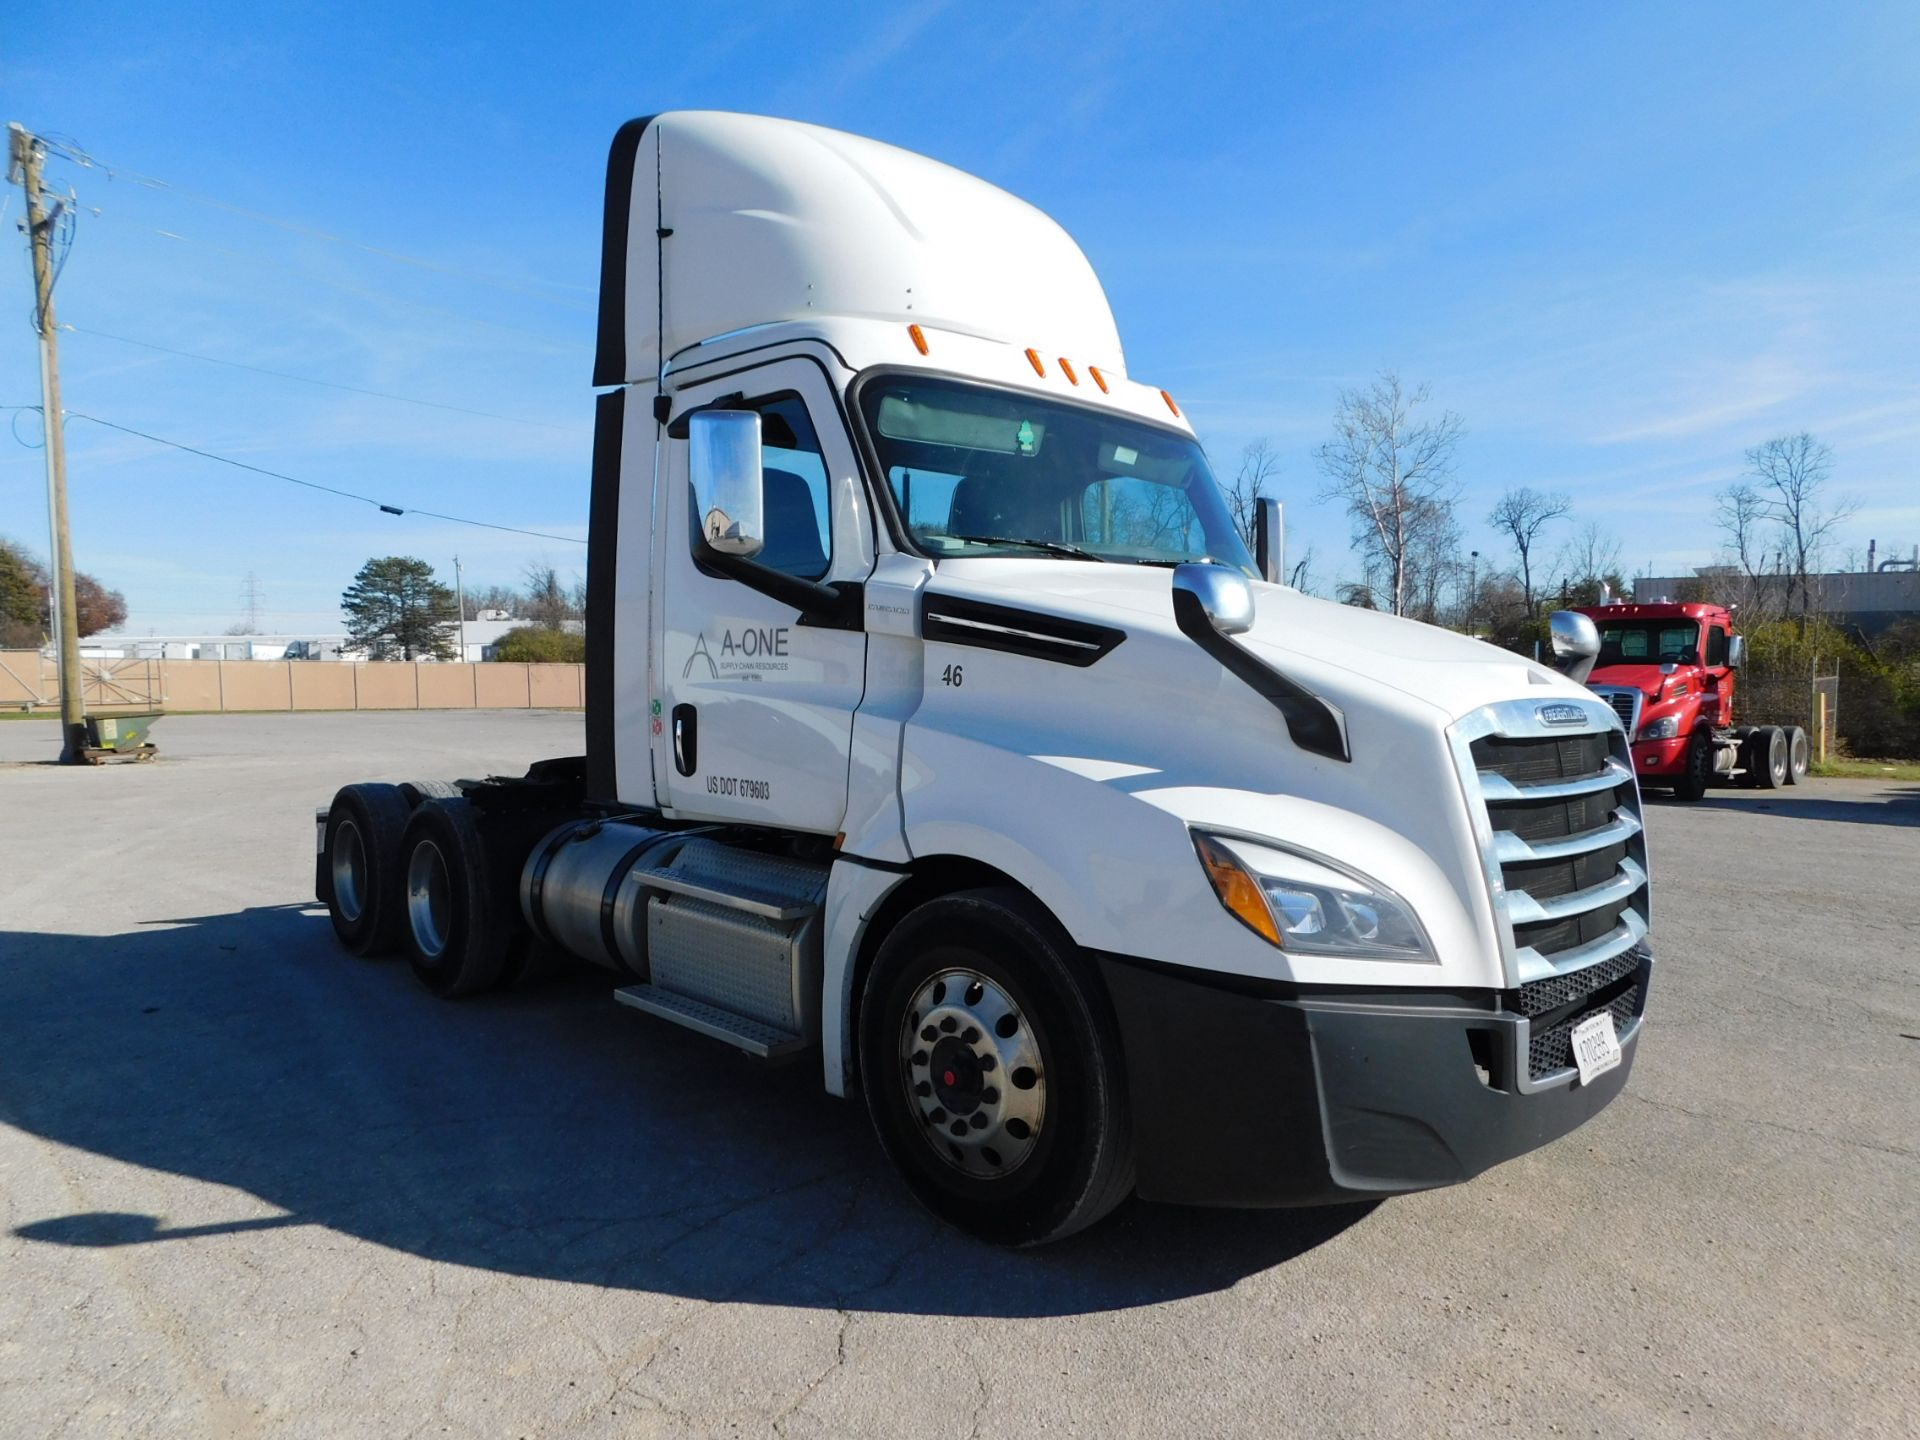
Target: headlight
column 1306, row 904
column 1665, row 728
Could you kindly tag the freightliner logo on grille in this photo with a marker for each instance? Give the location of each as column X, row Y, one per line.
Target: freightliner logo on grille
column 1561, row 715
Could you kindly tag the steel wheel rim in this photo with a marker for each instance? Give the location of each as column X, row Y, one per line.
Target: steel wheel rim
column 973, row 1073
column 429, row 898
column 348, row 868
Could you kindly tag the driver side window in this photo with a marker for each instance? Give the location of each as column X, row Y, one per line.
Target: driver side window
column 796, row 490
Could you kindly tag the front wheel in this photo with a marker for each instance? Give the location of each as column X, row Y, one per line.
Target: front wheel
column 1693, row 781
column 992, row 1070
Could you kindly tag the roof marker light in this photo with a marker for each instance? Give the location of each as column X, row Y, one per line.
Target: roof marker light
column 1098, row 378
column 1170, row 405
column 919, row 340
column 1066, row 369
column 1033, row 359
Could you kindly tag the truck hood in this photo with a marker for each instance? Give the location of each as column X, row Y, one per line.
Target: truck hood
column 1348, row 650
column 1649, row 680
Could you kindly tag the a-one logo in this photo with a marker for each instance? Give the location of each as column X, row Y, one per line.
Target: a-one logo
column 700, row 653
column 750, row 654
column 1561, row 715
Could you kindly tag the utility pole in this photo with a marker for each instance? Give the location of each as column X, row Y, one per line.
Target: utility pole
column 460, row 599
column 27, row 162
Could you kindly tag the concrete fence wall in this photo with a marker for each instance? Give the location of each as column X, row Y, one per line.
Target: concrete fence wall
column 29, row 679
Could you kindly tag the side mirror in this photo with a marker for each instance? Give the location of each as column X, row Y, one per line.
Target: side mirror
column 723, row 460
column 1736, row 652
column 1225, row 597
column 1270, row 540
column 1576, row 643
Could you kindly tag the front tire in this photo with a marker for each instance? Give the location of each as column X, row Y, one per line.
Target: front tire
column 992, row 1070
column 1693, row 781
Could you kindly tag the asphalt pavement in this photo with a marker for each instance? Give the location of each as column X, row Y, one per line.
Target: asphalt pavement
column 252, row 1186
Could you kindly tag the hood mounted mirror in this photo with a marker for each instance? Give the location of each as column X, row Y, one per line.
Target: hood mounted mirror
column 1576, row 644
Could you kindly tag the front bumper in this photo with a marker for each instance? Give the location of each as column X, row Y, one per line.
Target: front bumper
column 1252, row 1095
column 1661, row 757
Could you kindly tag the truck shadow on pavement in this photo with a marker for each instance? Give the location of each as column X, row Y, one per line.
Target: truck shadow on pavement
column 1881, row 807
column 545, row 1132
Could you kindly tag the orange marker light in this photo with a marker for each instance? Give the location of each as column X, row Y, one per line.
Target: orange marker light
column 1033, row 359
column 1098, row 378
column 919, row 340
column 1066, row 369
column 1239, row 892
column 1170, row 405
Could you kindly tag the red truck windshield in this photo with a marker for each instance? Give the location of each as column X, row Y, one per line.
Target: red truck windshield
column 1649, row 642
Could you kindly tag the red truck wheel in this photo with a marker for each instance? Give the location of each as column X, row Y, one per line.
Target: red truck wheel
column 1694, row 779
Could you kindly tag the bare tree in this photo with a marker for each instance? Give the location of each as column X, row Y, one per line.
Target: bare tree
column 1395, row 476
column 1301, row 576
column 546, row 602
column 492, row 597
column 1522, row 514
column 1738, row 514
column 1259, row 468
column 1790, row 472
column 1433, row 564
column 1589, row 565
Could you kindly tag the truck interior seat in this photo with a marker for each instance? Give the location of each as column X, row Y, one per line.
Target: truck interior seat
column 993, row 506
column 793, row 527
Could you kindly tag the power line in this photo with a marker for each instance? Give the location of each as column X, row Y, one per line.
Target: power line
column 533, row 289
column 380, row 505
column 308, row 379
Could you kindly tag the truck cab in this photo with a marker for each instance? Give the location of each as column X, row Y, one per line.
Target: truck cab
column 1669, row 672
column 945, row 736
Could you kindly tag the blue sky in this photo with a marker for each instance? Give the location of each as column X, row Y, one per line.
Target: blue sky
column 1624, row 242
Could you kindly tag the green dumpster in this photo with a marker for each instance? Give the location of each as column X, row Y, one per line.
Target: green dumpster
column 119, row 732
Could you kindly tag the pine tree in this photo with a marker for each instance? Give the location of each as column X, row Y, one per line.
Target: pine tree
column 396, row 610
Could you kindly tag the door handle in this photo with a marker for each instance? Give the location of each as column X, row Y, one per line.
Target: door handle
column 686, row 739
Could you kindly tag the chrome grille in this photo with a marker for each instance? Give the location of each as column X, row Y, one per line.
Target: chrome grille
column 1626, row 702
column 1558, row 817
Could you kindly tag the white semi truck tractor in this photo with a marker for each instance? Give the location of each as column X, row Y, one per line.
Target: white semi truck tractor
column 942, row 733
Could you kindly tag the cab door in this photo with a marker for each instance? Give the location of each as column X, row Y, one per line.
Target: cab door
column 752, row 717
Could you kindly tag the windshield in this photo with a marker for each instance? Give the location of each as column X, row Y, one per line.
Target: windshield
column 977, row 471
column 1650, row 642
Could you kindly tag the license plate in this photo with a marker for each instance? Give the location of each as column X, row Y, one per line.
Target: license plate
column 1596, row 1049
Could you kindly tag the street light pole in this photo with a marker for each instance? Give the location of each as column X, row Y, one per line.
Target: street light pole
column 460, row 599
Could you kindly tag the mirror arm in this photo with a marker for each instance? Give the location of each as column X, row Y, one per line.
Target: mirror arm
column 1315, row 724
column 834, row 607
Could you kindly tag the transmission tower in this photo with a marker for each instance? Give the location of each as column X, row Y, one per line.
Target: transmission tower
column 250, row 597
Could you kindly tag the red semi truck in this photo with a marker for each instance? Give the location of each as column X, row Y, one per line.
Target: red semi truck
column 1668, row 671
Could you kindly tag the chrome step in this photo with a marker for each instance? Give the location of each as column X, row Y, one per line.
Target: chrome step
column 764, row 1041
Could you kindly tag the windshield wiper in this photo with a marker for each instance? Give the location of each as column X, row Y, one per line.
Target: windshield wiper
column 1052, row 547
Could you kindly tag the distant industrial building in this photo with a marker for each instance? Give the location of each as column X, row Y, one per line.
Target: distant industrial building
column 1869, row 601
column 480, row 637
